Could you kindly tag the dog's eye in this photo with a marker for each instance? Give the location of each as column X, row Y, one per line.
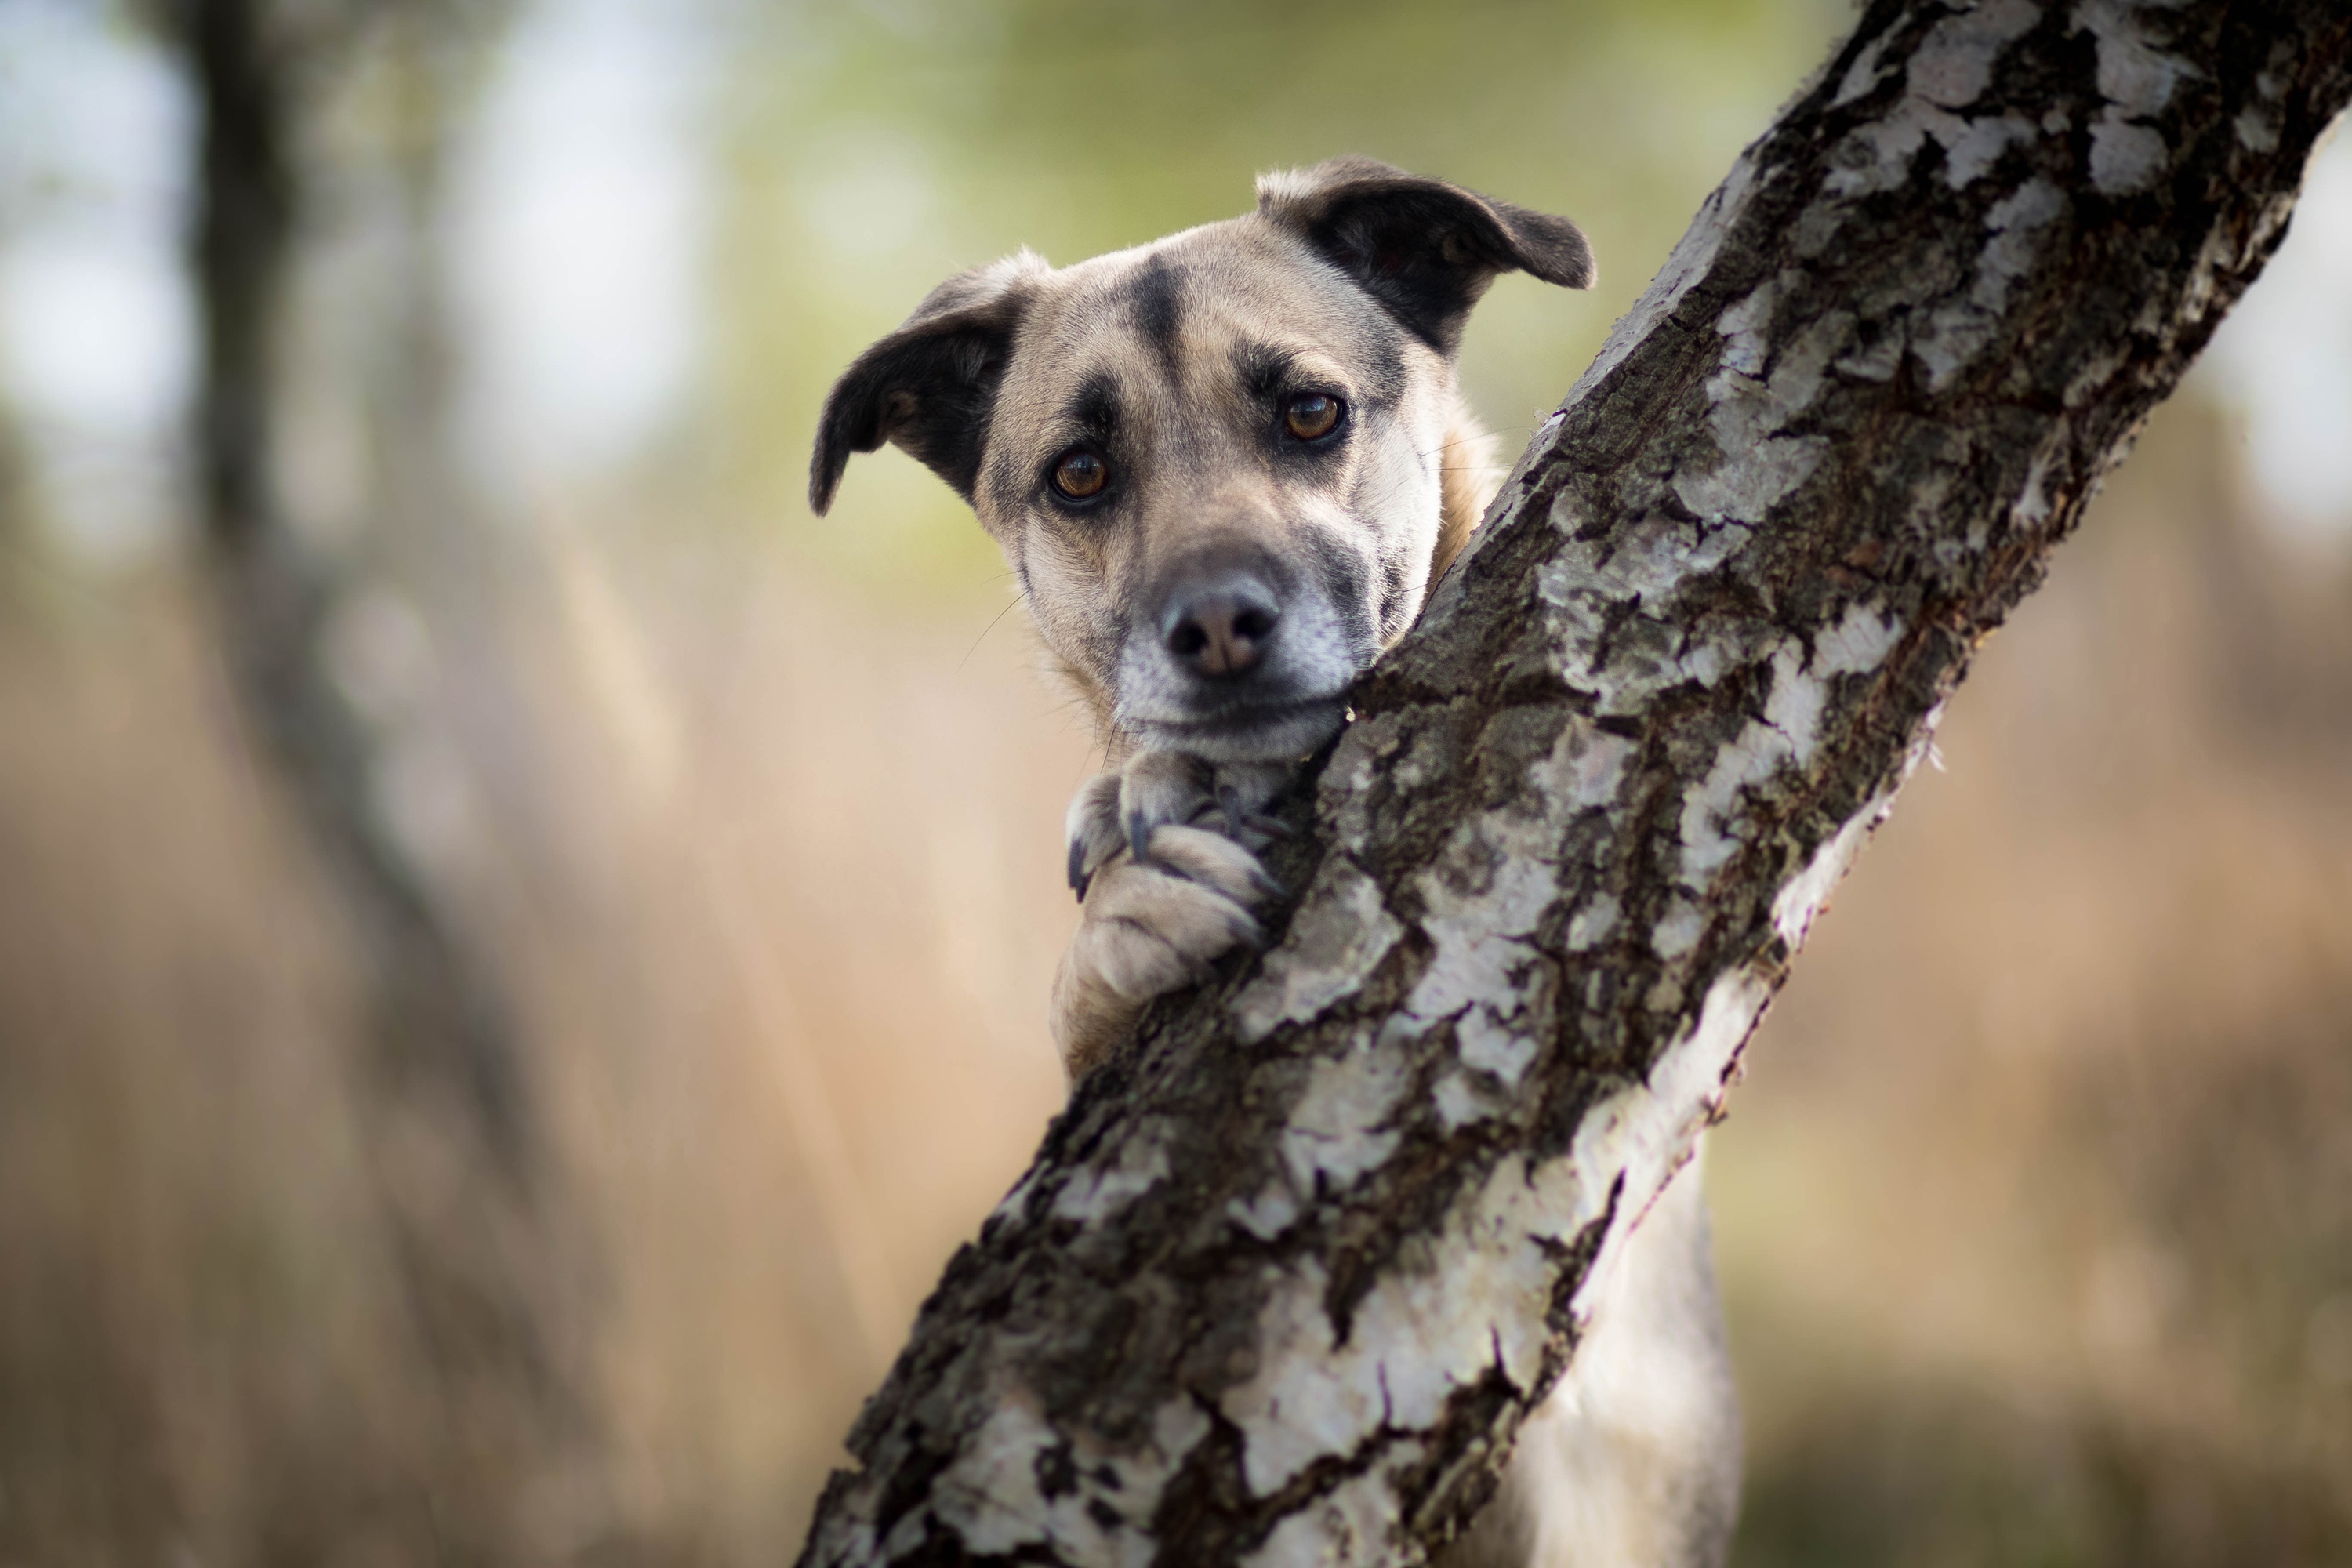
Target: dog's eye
column 1311, row 416
column 1081, row 475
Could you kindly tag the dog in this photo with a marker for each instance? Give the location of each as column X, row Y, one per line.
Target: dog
column 1226, row 469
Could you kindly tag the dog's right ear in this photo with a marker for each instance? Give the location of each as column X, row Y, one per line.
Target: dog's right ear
column 930, row 386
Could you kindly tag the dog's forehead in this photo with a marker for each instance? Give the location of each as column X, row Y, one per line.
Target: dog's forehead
column 1169, row 310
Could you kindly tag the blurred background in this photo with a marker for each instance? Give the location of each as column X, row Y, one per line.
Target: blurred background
column 522, row 950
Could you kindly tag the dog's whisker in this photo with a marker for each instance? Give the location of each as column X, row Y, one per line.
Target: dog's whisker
column 1477, row 439
column 1016, row 599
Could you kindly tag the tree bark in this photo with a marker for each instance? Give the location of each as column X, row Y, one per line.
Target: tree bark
column 1287, row 1272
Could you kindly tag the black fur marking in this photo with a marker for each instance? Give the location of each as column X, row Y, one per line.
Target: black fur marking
column 1263, row 370
column 1155, row 301
column 1092, row 410
column 1342, row 572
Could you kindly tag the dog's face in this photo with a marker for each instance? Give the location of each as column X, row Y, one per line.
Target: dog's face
column 1216, row 463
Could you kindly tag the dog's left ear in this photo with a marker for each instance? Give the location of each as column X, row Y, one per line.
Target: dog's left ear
column 1424, row 248
column 930, row 386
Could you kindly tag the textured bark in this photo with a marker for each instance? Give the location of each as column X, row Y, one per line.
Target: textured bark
column 1288, row 1271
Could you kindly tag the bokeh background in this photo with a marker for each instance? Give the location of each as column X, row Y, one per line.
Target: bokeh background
column 737, row 829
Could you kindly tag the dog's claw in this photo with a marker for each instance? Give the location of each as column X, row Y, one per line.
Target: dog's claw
column 1230, row 799
column 1139, row 838
column 1272, row 826
column 1078, row 876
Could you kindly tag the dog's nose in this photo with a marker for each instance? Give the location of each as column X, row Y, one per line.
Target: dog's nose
column 1220, row 630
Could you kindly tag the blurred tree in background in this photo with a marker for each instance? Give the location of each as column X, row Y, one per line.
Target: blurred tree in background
column 472, row 1206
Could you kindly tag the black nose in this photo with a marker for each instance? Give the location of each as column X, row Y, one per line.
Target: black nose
column 1220, row 629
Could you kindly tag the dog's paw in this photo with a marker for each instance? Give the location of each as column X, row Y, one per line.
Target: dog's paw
column 1161, row 855
column 1119, row 812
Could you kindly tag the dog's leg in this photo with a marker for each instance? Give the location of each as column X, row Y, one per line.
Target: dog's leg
column 1161, row 855
column 1633, row 1460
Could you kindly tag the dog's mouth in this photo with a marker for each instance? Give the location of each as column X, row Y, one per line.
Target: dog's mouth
column 1284, row 704
column 1277, row 731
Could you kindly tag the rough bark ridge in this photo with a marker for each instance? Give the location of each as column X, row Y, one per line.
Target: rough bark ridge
column 1287, row 1272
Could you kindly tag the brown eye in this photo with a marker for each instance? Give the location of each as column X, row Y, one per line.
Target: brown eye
column 1080, row 474
column 1312, row 416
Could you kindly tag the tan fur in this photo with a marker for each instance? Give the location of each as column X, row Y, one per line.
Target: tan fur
column 1471, row 482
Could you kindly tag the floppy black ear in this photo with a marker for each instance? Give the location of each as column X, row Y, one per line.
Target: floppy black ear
column 1425, row 249
column 930, row 386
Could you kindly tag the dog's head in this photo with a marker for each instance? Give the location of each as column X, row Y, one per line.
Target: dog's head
column 1217, row 462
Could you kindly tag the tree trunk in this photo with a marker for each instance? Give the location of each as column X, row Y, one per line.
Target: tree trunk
column 1289, row 1270
column 458, row 1159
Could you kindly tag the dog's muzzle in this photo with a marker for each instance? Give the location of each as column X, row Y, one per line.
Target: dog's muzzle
column 1235, row 667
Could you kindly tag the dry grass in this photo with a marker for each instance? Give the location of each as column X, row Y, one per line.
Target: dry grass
column 2036, row 1215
